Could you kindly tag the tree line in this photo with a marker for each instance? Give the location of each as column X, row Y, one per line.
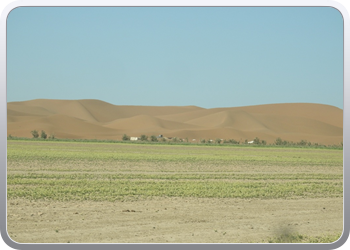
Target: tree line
column 153, row 138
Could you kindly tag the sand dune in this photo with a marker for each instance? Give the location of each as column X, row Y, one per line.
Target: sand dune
column 101, row 120
column 146, row 122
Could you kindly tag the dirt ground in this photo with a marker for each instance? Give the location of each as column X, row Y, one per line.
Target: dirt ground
column 171, row 220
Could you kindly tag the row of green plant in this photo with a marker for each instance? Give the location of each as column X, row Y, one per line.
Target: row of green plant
column 178, row 176
column 135, row 153
column 112, row 190
column 41, row 170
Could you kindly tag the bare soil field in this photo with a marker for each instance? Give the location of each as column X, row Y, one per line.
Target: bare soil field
column 171, row 220
column 118, row 193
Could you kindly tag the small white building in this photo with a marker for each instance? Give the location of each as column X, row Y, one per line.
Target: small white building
column 135, row 138
column 250, row 142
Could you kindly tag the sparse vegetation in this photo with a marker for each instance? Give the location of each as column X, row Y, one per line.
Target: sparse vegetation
column 299, row 238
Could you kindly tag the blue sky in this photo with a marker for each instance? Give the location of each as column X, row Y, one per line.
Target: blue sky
column 204, row 56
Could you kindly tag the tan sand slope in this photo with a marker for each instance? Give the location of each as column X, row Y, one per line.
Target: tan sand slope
column 97, row 119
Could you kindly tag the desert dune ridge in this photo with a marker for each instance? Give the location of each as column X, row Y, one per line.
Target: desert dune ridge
column 95, row 119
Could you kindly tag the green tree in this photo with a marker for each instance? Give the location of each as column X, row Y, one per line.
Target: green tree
column 154, row 138
column 278, row 141
column 256, row 140
column 43, row 134
column 233, row 141
column 302, row 142
column 125, row 137
column 144, row 138
column 35, row 133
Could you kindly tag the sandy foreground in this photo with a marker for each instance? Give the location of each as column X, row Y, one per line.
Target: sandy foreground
column 171, row 220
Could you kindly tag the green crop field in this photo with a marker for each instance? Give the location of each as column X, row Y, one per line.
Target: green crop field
column 110, row 172
column 91, row 171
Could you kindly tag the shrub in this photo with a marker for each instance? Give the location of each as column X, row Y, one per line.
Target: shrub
column 217, row 140
column 52, row 137
column 175, row 139
column 202, row 140
column 35, row 133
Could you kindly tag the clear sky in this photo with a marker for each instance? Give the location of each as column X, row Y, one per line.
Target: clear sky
column 204, row 56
